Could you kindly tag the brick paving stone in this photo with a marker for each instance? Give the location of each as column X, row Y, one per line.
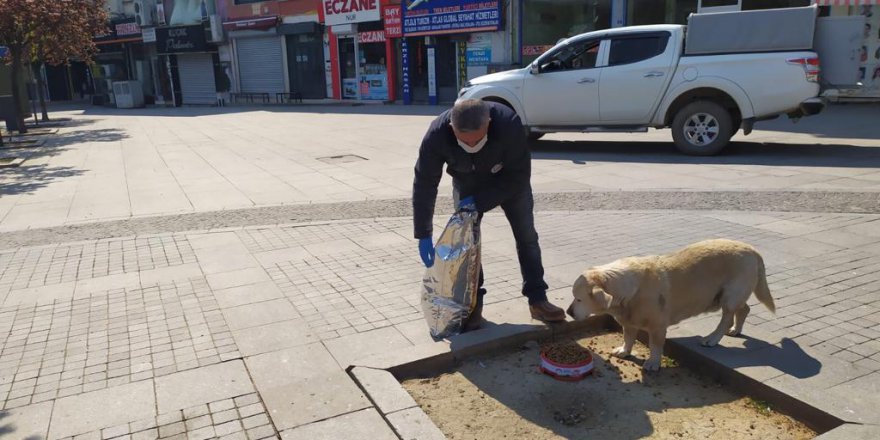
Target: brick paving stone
column 148, row 434
column 246, row 400
column 127, row 335
column 128, row 317
column 172, row 429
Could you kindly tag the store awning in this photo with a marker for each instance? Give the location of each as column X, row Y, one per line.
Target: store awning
column 256, row 23
column 846, row 2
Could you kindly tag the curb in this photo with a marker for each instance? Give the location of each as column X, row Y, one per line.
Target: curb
column 379, row 376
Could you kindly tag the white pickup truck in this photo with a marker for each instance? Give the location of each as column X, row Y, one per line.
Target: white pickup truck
column 632, row 78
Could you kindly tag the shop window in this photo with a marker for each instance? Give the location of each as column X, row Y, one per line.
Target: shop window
column 642, row 12
column 633, row 50
column 546, row 22
column 749, row 5
column 581, row 55
column 719, row 3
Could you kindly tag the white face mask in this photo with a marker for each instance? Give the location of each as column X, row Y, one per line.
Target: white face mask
column 477, row 147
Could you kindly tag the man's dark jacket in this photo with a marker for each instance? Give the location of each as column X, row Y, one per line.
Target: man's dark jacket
column 499, row 171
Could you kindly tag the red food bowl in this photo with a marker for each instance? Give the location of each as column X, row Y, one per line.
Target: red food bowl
column 566, row 372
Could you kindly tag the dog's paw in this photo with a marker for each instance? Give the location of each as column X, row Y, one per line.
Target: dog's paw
column 710, row 341
column 620, row 352
column 733, row 332
column 651, row 365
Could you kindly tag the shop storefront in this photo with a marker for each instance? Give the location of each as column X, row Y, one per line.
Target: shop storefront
column 304, row 43
column 191, row 62
column 259, row 55
column 868, row 67
column 123, row 55
column 359, row 51
column 442, row 41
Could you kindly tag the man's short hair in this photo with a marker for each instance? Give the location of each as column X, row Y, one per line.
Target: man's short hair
column 469, row 115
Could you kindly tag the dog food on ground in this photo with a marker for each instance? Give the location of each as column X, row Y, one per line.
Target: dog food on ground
column 505, row 396
column 566, row 352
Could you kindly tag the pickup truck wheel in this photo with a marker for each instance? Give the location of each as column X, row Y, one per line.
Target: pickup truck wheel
column 702, row 128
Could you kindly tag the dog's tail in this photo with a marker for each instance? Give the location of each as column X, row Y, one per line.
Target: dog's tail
column 762, row 290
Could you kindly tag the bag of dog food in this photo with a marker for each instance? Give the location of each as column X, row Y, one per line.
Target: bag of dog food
column 449, row 287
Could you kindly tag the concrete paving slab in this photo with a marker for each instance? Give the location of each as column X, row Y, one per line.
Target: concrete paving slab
column 347, row 349
column 272, row 337
column 102, row 409
column 415, row 331
column 803, row 247
column 247, row 294
column 207, row 384
column 117, row 281
column 214, row 260
column 270, row 258
column 166, row 274
column 284, row 367
column 214, row 240
column 26, row 422
column 237, row 278
column 384, row 390
column 852, row 431
column 841, row 238
column 314, row 399
column 40, row 295
column 413, row 423
column 437, row 350
column 351, row 425
column 259, row 314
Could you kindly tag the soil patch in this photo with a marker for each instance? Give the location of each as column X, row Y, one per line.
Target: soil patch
column 505, row 396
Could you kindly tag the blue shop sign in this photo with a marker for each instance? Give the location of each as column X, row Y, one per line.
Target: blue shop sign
column 479, row 56
column 432, row 17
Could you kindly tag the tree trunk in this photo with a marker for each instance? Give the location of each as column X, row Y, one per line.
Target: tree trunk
column 16, row 95
column 40, row 86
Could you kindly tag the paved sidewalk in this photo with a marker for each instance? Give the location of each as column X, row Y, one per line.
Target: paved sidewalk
column 111, row 164
column 245, row 332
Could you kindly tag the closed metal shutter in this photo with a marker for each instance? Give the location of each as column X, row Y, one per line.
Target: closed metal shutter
column 196, row 73
column 260, row 64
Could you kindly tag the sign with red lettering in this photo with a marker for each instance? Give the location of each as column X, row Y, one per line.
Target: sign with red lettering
column 371, row 37
column 393, row 24
column 350, row 11
column 127, row 29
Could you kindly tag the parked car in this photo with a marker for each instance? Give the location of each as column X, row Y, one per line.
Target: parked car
column 632, row 78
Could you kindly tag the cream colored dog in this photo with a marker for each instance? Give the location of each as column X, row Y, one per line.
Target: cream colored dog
column 651, row 293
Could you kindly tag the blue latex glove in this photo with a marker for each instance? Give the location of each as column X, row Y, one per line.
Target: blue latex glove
column 467, row 203
column 426, row 250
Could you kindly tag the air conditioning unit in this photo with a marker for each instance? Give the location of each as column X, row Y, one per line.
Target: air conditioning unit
column 143, row 12
column 129, row 94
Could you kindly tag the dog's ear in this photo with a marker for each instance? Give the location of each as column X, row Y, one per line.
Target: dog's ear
column 580, row 286
column 617, row 280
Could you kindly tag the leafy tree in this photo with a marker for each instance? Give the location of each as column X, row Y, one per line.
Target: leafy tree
column 52, row 31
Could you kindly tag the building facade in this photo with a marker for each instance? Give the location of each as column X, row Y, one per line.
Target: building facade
column 413, row 51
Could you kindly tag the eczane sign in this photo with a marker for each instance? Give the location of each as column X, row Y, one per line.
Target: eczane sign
column 350, row 11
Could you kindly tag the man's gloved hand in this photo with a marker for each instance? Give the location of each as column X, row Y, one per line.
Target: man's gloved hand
column 467, row 204
column 426, row 250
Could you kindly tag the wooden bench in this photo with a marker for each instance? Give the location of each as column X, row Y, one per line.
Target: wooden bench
column 282, row 97
column 250, row 96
